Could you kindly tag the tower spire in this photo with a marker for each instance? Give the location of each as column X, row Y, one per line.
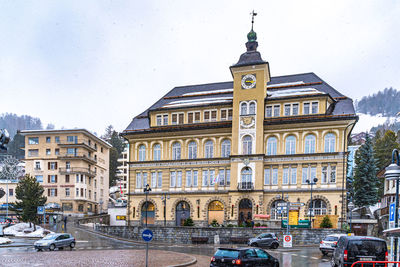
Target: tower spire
column 253, row 14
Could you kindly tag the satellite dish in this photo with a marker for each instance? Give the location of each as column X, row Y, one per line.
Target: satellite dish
column 2, row 193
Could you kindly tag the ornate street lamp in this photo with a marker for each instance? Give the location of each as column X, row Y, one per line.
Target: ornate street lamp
column 164, row 198
column 393, row 173
column 311, row 210
column 146, row 190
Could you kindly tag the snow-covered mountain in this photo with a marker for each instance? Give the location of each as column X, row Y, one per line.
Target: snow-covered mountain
column 367, row 121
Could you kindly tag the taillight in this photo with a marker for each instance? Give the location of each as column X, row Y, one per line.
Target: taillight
column 335, row 242
column 321, row 242
column 345, row 255
column 213, row 259
column 237, row 262
column 386, row 256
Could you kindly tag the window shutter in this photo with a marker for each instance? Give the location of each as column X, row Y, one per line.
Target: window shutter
column 48, row 165
column 56, row 165
column 48, row 191
column 56, row 178
column 48, row 178
column 55, row 192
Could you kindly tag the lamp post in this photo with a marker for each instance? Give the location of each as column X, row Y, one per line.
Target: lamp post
column 164, row 198
column 146, row 190
column 393, row 173
column 314, row 182
column 351, row 207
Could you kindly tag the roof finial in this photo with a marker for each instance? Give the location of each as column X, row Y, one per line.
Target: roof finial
column 253, row 14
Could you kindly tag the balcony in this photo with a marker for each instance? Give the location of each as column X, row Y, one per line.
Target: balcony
column 78, row 170
column 78, row 156
column 78, row 143
column 245, row 186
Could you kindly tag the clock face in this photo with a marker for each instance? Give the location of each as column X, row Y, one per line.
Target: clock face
column 248, row 81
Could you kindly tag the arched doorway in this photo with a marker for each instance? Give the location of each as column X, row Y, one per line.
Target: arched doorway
column 216, row 212
column 245, row 211
column 182, row 213
column 317, row 207
column 150, row 213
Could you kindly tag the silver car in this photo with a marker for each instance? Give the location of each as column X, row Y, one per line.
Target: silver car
column 264, row 240
column 53, row 241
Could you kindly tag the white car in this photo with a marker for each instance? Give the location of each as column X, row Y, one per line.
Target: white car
column 326, row 244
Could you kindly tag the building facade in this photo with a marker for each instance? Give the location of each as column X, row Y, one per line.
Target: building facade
column 123, row 171
column 73, row 168
column 232, row 150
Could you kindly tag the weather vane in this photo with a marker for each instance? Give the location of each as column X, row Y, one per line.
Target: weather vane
column 253, row 14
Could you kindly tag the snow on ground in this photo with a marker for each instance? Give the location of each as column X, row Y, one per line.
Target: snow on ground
column 4, row 240
column 366, row 122
column 23, row 230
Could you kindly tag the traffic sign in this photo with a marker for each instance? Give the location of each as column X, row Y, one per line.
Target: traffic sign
column 40, row 210
column 296, row 204
column 391, row 212
column 281, row 204
column 147, row 235
column 287, row 241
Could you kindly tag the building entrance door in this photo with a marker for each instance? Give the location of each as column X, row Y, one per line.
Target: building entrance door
column 182, row 213
column 150, row 213
column 245, row 211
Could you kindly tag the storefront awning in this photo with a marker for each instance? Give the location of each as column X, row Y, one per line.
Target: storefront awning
column 262, row 216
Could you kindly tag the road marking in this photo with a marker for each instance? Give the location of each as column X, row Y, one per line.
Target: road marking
column 295, row 255
column 314, row 258
column 304, row 256
column 82, row 241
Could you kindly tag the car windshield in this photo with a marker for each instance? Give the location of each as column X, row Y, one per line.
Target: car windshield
column 366, row 247
column 49, row 237
column 226, row 253
column 331, row 238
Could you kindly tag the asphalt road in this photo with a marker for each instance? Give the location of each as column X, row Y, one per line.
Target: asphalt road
column 86, row 240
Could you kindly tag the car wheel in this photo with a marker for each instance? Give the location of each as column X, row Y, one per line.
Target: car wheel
column 39, row 250
column 324, row 253
column 333, row 264
column 275, row 246
column 52, row 247
column 72, row 245
column 254, row 245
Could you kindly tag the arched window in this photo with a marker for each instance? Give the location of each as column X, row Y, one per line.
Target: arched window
column 330, row 142
column 318, row 207
column 247, row 144
column 192, row 150
column 272, row 144
column 252, row 108
column 157, row 152
column 176, row 151
column 225, row 148
column 243, row 108
column 246, row 179
column 290, row 145
column 142, row 153
column 275, row 211
column 309, row 144
column 209, row 149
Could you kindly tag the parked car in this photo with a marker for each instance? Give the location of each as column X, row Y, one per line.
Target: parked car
column 53, row 241
column 245, row 257
column 350, row 249
column 326, row 244
column 264, row 240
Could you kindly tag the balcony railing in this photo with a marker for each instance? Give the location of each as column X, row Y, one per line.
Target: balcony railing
column 75, row 170
column 81, row 156
column 77, row 142
column 245, row 186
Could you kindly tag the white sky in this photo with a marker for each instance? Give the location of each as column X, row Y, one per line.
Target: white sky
column 94, row 63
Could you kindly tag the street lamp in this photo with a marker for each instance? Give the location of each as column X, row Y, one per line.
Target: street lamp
column 314, row 182
column 393, row 173
column 146, row 190
column 164, row 198
column 351, row 207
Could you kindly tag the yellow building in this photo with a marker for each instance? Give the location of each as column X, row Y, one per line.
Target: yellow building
column 231, row 150
column 72, row 166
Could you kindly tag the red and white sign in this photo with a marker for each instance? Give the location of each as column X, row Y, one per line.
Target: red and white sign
column 287, row 241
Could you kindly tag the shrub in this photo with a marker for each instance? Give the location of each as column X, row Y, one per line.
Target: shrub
column 230, row 225
column 214, row 223
column 326, row 222
column 188, row 222
column 257, row 224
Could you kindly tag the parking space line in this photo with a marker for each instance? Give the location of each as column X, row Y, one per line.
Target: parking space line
column 314, row 258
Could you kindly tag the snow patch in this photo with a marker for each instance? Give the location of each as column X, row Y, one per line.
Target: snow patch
column 293, row 92
column 284, row 84
column 366, row 122
column 4, row 240
column 209, row 92
column 196, row 102
column 23, row 230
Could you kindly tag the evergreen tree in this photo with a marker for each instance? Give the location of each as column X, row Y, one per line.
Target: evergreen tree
column 365, row 183
column 118, row 146
column 29, row 194
column 16, row 145
column 326, row 222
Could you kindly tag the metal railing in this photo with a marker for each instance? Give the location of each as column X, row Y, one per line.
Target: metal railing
column 246, row 186
column 78, row 156
column 78, row 141
column 74, row 170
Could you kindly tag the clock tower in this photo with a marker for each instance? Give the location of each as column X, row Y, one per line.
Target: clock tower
column 250, row 77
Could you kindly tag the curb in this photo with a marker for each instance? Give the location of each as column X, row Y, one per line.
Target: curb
column 193, row 261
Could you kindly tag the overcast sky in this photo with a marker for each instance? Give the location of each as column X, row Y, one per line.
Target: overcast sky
column 94, row 63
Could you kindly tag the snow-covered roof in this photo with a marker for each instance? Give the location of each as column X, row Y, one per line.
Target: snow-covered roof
column 292, row 92
column 198, row 102
column 209, row 92
column 285, row 84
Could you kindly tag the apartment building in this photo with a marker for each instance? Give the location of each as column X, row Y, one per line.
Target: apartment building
column 123, row 171
column 72, row 166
